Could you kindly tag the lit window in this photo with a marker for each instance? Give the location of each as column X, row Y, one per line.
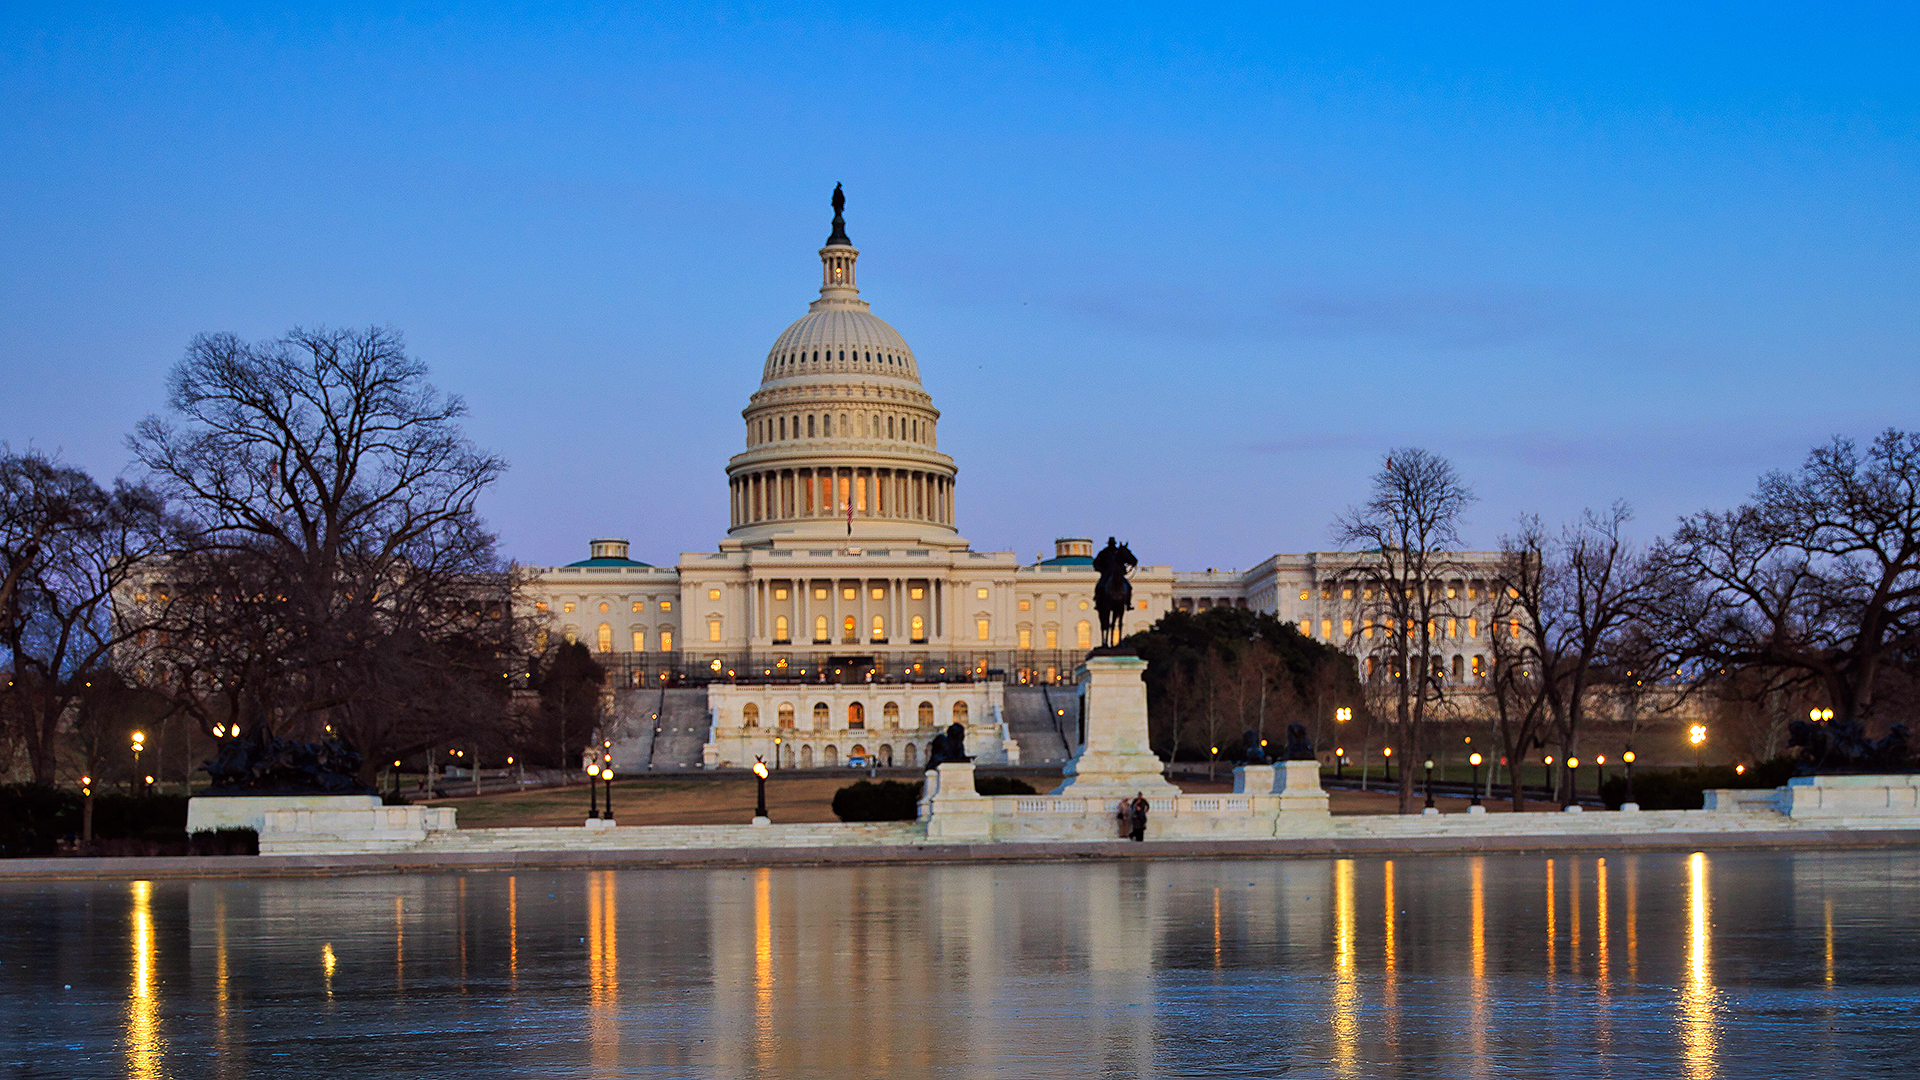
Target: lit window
column 1083, row 634
column 604, row 639
column 1326, row 628
column 1366, row 628
column 1346, row 628
column 603, row 607
column 916, row 594
column 980, row 594
column 1346, row 592
column 820, row 629
column 919, row 628
column 1450, row 594
column 1478, row 668
column 850, row 631
column 1143, row 605
column 1306, row 627
column 1473, row 590
column 540, row 606
column 1053, row 637
column 639, row 641
column 982, row 629
column 666, row 605
column 1473, row 629
column 779, row 594
column 750, row 715
column 879, row 628
column 878, row 593
column 1083, row 605
column 1026, row 637
column 846, row 594
column 713, row 629
column 1026, row 605
column 1453, row 628
column 821, row 594
column 639, row 606
column 713, row 594
column 1303, row 594
column 666, row 641
column 779, row 628
column 1053, row 605
column 1326, row 593
column 1513, row 628
column 567, row 608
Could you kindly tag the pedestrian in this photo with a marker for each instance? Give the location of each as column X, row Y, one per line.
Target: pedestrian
column 1139, row 817
column 1126, row 817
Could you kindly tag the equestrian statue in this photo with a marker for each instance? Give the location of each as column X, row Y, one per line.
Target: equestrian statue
column 1114, row 594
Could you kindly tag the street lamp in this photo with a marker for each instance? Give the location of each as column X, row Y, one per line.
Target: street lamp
column 1387, row 753
column 1573, row 782
column 1548, row 782
column 139, row 744
column 86, row 810
column 396, row 779
column 1342, row 714
column 606, row 773
column 1474, row 759
column 776, row 752
column 760, row 802
column 1817, row 715
column 1628, row 758
column 1429, row 783
column 1339, row 761
column 1696, row 735
column 593, row 792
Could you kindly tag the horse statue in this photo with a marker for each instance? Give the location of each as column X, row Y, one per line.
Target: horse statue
column 1114, row 594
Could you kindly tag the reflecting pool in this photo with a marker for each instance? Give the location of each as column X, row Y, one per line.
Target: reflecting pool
column 1733, row 964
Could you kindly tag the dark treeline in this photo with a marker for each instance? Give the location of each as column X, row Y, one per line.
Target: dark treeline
column 299, row 551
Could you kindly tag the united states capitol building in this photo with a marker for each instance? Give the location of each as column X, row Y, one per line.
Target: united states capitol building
column 844, row 619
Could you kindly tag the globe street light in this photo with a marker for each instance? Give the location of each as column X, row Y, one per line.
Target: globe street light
column 606, row 773
column 139, row 744
column 1696, row 735
column 86, row 810
column 1817, row 715
column 1339, row 761
column 1628, row 758
column 1387, row 753
column 1573, row 782
column 593, row 792
column 1429, row 783
column 1474, row 759
column 760, row 801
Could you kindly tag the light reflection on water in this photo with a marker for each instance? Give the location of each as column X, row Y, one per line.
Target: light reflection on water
column 1477, row 966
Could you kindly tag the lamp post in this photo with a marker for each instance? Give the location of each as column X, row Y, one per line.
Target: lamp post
column 86, row 810
column 396, row 780
column 1599, row 772
column 1429, row 783
column 1339, row 761
column 593, row 792
column 139, row 744
column 1696, row 735
column 1213, row 756
column 776, row 752
column 1474, row 760
column 1387, row 753
column 1628, row 758
column 1553, row 792
column 760, row 801
column 1573, row 782
column 606, row 774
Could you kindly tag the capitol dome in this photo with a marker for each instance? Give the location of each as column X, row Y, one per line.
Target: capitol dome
column 842, row 440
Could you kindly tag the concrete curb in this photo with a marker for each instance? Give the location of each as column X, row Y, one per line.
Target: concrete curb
column 301, row 866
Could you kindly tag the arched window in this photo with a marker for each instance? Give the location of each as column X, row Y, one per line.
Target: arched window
column 780, row 628
column 859, row 751
column 879, row 628
column 886, row 755
column 889, row 427
column 806, row 757
column 849, row 631
column 604, row 639
column 890, row 714
column 783, row 429
column 919, row 629
column 809, row 424
column 925, row 714
column 1459, row 668
column 785, row 714
column 910, row 755
column 856, row 715
column 1083, row 634
column 830, row 757
column 750, row 715
column 960, row 712
column 821, row 715
column 820, row 630
column 639, row 641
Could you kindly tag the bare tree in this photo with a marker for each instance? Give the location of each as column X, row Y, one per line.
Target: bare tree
column 1816, row 579
column 337, row 565
column 70, row 548
column 1408, row 531
column 1522, row 637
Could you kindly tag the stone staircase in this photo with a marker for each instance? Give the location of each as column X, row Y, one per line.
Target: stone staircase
column 1032, row 723
column 680, row 732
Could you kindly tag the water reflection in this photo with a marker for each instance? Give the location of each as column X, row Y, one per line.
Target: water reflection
column 1697, row 1028
column 1138, row 969
column 144, row 1048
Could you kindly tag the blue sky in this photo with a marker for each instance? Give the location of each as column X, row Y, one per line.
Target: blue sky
column 1628, row 252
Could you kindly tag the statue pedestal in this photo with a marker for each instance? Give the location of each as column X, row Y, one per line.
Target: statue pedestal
column 206, row 813
column 1114, row 760
column 952, row 808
